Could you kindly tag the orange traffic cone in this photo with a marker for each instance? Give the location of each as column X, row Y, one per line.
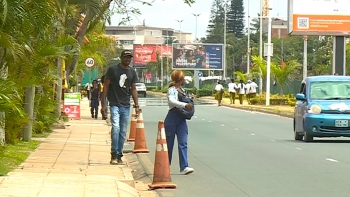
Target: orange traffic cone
column 140, row 139
column 133, row 124
column 161, row 174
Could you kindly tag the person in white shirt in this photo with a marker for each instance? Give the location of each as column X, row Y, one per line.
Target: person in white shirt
column 241, row 91
column 252, row 89
column 219, row 91
column 175, row 124
column 232, row 87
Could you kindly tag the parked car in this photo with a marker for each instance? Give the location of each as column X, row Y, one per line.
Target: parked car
column 141, row 89
column 322, row 108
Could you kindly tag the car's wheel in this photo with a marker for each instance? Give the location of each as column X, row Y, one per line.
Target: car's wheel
column 308, row 137
column 144, row 95
column 297, row 136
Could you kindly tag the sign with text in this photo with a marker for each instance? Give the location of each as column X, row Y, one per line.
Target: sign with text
column 72, row 98
column 327, row 17
column 71, row 105
column 198, row 56
column 72, row 111
column 145, row 53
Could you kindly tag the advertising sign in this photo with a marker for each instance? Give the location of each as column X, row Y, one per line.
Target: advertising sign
column 145, row 53
column 319, row 17
column 198, row 56
column 72, row 105
column 72, row 111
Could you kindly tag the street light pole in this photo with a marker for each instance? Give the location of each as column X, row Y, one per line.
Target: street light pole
column 196, row 15
column 225, row 28
column 180, row 21
column 248, row 42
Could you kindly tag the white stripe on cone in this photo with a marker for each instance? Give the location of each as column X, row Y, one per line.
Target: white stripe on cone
column 162, row 147
column 140, row 125
column 161, row 134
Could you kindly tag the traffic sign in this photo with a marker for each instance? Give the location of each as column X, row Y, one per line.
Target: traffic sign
column 200, row 74
column 89, row 62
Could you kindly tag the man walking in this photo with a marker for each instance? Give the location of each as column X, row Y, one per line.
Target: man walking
column 119, row 84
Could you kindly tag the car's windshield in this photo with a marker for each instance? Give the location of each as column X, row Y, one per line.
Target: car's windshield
column 139, row 84
column 330, row 90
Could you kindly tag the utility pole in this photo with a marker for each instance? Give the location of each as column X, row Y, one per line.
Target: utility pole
column 180, row 21
column 305, row 58
column 268, row 66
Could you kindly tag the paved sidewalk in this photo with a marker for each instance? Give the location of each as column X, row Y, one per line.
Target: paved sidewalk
column 71, row 162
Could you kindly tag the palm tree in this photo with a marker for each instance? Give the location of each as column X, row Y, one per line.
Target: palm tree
column 284, row 74
column 259, row 69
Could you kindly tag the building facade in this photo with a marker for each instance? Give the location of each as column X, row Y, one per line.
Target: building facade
column 129, row 35
column 279, row 28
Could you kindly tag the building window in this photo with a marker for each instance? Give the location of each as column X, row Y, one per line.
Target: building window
column 127, row 42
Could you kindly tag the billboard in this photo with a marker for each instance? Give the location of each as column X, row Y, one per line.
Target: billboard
column 145, row 53
column 198, row 56
column 319, row 17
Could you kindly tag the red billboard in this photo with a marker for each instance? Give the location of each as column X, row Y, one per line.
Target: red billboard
column 145, row 53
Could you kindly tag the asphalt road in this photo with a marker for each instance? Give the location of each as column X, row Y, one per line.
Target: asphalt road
column 238, row 154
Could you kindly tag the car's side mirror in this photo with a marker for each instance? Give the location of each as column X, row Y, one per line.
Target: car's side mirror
column 300, row 97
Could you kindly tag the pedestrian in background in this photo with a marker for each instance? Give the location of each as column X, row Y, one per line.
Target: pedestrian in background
column 219, row 91
column 241, row 91
column 94, row 100
column 175, row 124
column 119, row 85
column 104, row 115
column 232, row 88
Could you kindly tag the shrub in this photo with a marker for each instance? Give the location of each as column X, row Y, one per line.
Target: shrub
column 204, row 92
column 274, row 100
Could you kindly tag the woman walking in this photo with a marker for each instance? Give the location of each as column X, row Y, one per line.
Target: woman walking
column 175, row 123
column 219, row 92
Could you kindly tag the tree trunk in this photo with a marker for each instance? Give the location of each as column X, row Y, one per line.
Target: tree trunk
column 59, row 87
column 2, row 128
column 29, row 109
column 3, row 74
column 281, row 90
column 82, row 32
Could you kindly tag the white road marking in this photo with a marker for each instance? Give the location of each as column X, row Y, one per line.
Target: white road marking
column 236, row 129
column 252, row 134
column 195, row 116
column 203, row 119
column 222, row 125
column 298, row 148
column 209, row 121
column 273, row 140
column 332, row 160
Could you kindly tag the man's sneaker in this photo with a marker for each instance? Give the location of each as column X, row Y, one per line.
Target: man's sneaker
column 187, row 170
column 120, row 162
column 114, row 161
column 117, row 162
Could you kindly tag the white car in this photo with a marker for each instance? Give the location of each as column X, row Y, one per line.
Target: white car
column 141, row 89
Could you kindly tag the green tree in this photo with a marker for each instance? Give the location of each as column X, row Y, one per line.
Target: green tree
column 235, row 18
column 215, row 30
column 284, row 74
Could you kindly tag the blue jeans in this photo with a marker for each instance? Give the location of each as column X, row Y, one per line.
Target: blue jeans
column 174, row 124
column 119, row 121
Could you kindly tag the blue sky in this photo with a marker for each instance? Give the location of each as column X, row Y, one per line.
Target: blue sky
column 164, row 13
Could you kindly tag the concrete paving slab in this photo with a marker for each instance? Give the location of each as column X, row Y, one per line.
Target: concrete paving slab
column 71, row 162
column 19, row 191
